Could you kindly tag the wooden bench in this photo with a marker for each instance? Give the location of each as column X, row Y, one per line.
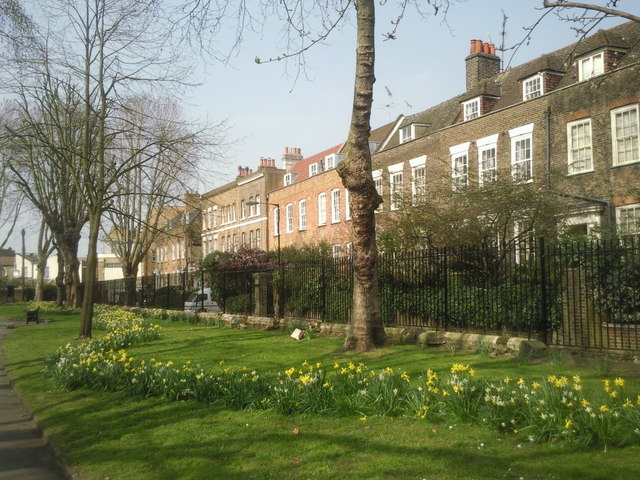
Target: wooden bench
column 32, row 315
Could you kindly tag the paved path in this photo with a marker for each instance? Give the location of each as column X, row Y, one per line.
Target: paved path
column 24, row 453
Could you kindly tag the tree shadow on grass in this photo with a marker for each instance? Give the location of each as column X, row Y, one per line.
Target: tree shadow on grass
column 169, row 440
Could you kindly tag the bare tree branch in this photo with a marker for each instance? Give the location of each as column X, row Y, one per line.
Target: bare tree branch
column 590, row 6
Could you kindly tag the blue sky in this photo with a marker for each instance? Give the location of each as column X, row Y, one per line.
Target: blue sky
column 268, row 110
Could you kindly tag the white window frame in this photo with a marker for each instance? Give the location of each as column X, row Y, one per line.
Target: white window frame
column 313, row 169
column 252, row 207
column 302, row 215
column 588, row 68
column 471, row 109
column 276, row 221
column 258, row 239
column 459, row 165
column 288, row 217
column 487, row 173
column 518, row 162
column 532, row 87
column 377, row 181
column 322, row 208
column 331, row 161
column 396, row 180
column 335, row 205
column 335, row 250
column 579, row 147
column 628, row 219
column 288, row 179
column 406, row 134
column 347, row 204
column 628, row 143
column 418, row 178
column 257, row 200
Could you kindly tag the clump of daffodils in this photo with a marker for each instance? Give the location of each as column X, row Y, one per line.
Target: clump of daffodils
column 553, row 409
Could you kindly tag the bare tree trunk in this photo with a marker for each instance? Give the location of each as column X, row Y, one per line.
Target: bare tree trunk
column 130, row 294
column 86, row 315
column 366, row 330
column 45, row 248
column 60, row 298
column 69, row 253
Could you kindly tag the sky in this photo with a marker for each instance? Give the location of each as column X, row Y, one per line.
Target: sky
column 267, row 108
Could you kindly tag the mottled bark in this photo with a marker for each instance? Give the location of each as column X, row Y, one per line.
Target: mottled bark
column 86, row 315
column 60, row 298
column 129, row 273
column 366, row 330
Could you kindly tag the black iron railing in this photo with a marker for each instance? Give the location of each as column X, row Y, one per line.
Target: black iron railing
column 578, row 294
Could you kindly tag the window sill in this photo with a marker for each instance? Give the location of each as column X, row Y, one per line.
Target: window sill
column 635, row 162
column 523, row 182
column 573, row 174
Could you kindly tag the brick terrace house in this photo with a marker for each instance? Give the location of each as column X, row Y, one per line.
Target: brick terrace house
column 235, row 215
column 567, row 121
column 314, row 204
column 178, row 246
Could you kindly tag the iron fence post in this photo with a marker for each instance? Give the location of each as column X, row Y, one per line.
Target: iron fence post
column 446, row 290
column 544, row 321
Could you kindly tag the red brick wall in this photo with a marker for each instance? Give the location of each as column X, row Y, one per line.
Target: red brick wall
column 308, row 189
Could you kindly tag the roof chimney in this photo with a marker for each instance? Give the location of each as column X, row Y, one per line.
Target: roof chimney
column 482, row 63
column 290, row 157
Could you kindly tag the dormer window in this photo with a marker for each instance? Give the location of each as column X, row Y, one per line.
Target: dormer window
column 406, row 134
column 288, row 179
column 332, row 161
column 315, row 168
column 532, row 87
column 471, row 109
column 591, row 66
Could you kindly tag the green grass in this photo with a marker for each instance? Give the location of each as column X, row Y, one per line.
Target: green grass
column 106, row 434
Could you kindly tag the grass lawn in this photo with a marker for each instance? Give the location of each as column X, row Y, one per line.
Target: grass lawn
column 108, row 435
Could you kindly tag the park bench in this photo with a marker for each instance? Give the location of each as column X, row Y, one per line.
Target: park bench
column 32, row 315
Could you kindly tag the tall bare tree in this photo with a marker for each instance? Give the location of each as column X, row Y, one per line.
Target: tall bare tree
column 159, row 176
column 44, row 138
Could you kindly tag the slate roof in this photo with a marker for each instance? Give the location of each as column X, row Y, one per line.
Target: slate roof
column 505, row 86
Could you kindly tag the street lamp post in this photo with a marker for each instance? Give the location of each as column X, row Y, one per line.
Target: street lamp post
column 280, row 266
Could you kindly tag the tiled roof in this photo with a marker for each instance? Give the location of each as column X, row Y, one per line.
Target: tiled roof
column 301, row 168
column 505, row 86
